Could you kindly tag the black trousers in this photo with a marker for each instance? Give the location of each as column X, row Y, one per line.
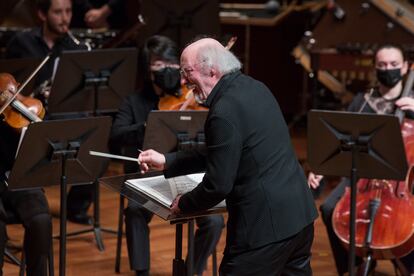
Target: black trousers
column 287, row 257
column 80, row 198
column 206, row 237
column 338, row 250
column 32, row 209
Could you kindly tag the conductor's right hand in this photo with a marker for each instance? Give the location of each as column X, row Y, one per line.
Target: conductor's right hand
column 151, row 160
column 314, row 180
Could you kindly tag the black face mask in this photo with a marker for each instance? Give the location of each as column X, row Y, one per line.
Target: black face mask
column 168, row 79
column 389, row 78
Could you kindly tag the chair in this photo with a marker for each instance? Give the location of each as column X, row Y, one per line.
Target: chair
column 12, row 218
column 120, row 234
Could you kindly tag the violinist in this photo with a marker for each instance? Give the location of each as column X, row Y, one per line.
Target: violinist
column 30, row 206
column 160, row 62
column 55, row 17
column 391, row 66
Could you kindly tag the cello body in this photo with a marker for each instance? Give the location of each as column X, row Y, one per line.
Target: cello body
column 393, row 223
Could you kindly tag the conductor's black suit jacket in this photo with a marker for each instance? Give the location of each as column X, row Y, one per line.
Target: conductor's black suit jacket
column 250, row 163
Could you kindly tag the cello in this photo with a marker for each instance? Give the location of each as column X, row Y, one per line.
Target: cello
column 384, row 208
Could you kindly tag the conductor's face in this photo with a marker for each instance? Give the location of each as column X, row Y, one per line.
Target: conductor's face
column 58, row 17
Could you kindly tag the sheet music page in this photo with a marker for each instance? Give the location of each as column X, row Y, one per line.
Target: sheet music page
column 183, row 184
column 165, row 190
column 156, row 187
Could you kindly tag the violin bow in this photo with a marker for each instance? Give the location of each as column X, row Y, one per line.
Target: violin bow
column 21, row 87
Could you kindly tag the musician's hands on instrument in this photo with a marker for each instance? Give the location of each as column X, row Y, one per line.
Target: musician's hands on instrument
column 405, row 103
column 151, row 160
column 96, row 18
column 314, row 180
column 174, row 206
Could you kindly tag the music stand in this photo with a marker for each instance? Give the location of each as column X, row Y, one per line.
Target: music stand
column 61, row 156
column 21, row 68
column 168, row 131
column 357, row 146
column 92, row 82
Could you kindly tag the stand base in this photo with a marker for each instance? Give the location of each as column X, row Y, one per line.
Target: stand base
column 97, row 232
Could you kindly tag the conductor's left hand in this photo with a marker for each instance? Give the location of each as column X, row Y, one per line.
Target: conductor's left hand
column 151, row 160
column 174, row 206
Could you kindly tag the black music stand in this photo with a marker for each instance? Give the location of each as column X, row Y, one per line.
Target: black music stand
column 357, row 146
column 60, row 155
column 174, row 131
column 92, row 82
column 21, row 68
column 168, row 131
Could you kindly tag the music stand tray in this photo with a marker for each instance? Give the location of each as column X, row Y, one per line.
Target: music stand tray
column 357, row 146
column 57, row 152
column 92, row 81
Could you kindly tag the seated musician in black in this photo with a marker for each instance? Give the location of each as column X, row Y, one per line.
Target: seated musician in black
column 161, row 66
column 391, row 66
column 55, row 16
column 29, row 207
column 99, row 14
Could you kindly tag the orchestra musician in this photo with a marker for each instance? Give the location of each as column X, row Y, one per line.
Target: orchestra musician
column 51, row 36
column 162, row 77
column 29, row 207
column 99, row 14
column 391, row 66
column 249, row 162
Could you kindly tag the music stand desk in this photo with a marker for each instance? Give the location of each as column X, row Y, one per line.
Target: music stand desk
column 57, row 152
column 117, row 184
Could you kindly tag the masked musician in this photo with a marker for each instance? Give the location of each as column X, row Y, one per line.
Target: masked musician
column 391, row 66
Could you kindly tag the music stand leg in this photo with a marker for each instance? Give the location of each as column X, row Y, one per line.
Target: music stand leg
column 351, row 261
column 178, row 262
column 190, row 254
column 96, row 219
column 63, row 215
column 96, row 228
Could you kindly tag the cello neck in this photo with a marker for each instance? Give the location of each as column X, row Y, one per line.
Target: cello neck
column 406, row 92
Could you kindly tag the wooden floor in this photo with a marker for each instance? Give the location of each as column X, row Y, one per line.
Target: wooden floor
column 84, row 258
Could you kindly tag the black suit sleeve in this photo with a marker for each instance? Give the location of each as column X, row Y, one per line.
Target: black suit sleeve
column 223, row 150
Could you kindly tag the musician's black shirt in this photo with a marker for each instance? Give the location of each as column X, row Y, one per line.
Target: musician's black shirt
column 30, row 44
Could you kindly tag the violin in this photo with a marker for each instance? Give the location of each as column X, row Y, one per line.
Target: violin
column 183, row 101
column 18, row 111
column 384, row 208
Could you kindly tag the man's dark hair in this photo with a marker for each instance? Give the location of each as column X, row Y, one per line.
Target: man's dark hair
column 43, row 5
column 391, row 46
